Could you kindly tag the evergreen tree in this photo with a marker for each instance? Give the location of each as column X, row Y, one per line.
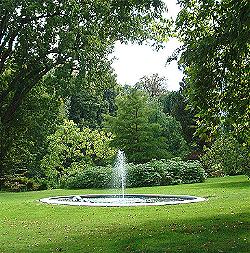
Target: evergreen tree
column 135, row 133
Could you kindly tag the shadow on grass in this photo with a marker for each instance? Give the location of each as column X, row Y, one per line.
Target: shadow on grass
column 225, row 233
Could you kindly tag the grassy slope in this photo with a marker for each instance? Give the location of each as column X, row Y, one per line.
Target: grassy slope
column 221, row 224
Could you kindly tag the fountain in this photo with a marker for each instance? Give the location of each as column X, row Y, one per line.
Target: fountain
column 122, row 199
column 119, row 172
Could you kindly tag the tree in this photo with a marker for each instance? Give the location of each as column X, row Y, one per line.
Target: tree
column 23, row 144
column 225, row 156
column 215, row 60
column 154, row 85
column 88, row 106
column 69, row 146
column 171, row 131
column 37, row 37
column 133, row 132
column 175, row 104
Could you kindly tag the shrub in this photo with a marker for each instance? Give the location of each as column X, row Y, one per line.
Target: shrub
column 90, row 177
column 192, row 172
column 20, row 182
column 226, row 156
column 170, row 171
column 163, row 172
column 142, row 175
column 153, row 173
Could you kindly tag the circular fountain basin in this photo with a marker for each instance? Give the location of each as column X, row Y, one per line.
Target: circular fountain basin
column 120, row 200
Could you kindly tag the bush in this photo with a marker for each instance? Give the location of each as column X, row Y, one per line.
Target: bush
column 192, row 172
column 153, row 173
column 170, row 171
column 142, row 175
column 90, row 177
column 20, row 182
column 163, row 172
column 226, row 156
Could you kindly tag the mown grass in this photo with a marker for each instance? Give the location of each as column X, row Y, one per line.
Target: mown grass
column 221, row 224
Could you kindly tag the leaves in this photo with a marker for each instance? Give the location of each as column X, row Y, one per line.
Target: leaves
column 215, row 60
column 39, row 37
column 70, row 146
column 154, row 85
column 142, row 130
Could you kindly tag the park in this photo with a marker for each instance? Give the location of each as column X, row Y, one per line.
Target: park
column 89, row 164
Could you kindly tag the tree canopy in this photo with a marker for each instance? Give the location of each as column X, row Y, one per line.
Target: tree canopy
column 154, row 85
column 69, row 146
column 132, row 129
column 215, row 59
column 143, row 131
column 37, row 37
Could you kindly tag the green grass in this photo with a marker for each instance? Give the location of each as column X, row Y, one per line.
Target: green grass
column 221, row 224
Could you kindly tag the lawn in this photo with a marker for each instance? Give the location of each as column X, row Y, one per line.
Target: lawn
column 220, row 224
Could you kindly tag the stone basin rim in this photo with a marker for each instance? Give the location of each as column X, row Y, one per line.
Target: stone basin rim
column 184, row 199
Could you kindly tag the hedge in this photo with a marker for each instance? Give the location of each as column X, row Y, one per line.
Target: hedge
column 163, row 172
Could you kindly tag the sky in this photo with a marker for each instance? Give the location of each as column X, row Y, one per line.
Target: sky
column 133, row 61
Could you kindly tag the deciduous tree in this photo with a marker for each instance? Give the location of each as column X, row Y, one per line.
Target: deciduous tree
column 133, row 131
column 37, row 37
column 69, row 145
column 215, row 59
column 154, row 85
